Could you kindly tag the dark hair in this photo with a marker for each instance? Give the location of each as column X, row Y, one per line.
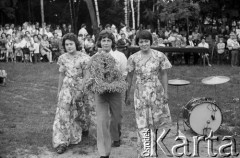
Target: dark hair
column 123, row 34
column 71, row 37
column 108, row 25
column 35, row 36
column 144, row 34
column 3, row 34
column 106, row 34
column 44, row 35
column 83, row 25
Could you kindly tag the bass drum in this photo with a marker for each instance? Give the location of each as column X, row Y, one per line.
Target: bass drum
column 202, row 115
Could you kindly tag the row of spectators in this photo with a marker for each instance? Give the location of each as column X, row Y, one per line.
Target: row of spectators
column 32, row 43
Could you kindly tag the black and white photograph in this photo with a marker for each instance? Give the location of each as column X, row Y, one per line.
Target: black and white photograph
column 119, row 78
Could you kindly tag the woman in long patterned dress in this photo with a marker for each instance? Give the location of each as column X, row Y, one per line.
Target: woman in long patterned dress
column 150, row 93
column 72, row 115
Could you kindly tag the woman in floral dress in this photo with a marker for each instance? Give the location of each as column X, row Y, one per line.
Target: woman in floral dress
column 151, row 93
column 72, row 115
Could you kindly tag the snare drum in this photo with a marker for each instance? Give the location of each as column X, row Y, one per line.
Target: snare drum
column 202, row 115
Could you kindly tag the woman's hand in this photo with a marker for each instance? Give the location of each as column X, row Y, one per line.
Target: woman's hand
column 78, row 96
column 165, row 98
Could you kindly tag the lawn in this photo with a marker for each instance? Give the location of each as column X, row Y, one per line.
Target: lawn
column 28, row 103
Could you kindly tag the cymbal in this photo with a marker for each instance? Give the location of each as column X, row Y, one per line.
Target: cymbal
column 213, row 80
column 178, row 82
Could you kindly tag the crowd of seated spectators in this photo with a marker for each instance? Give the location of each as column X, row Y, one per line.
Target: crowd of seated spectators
column 33, row 43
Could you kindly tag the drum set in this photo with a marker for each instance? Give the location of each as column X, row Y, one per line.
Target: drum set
column 201, row 114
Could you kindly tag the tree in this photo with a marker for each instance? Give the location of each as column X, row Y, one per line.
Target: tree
column 92, row 15
column 179, row 10
column 97, row 13
column 8, row 8
column 138, row 13
column 133, row 15
column 42, row 11
column 126, row 12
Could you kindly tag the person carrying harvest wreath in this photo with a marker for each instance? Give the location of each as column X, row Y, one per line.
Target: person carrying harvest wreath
column 108, row 101
column 151, row 92
column 74, row 108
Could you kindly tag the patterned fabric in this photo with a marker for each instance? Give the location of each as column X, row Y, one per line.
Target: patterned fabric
column 150, row 109
column 72, row 116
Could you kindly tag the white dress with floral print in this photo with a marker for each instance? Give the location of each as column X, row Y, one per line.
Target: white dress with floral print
column 69, row 121
column 150, row 109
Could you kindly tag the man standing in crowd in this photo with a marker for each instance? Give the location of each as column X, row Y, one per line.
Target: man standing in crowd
column 233, row 46
column 64, row 29
column 187, row 54
column 83, row 31
column 204, row 44
column 123, row 43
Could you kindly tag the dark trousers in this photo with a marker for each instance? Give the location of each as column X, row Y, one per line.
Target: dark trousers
column 109, row 115
column 195, row 58
column 187, row 58
column 220, row 58
column 37, row 57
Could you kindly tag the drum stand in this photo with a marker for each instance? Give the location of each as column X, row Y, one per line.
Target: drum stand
column 178, row 83
column 214, row 80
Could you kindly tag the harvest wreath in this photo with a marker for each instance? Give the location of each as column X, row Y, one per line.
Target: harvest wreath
column 104, row 75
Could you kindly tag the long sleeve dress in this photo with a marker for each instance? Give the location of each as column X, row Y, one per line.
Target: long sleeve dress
column 150, row 110
column 71, row 117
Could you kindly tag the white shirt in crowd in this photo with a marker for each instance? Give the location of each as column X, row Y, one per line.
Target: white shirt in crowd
column 24, row 43
column 36, row 48
column 121, row 61
column 205, row 45
column 49, row 34
column 220, row 47
column 9, row 31
column 231, row 44
column 191, row 43
column 42, row 31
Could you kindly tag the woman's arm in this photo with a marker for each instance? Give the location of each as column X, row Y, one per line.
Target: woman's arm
column 129, row 80
column 164, row 80
column 60, row 82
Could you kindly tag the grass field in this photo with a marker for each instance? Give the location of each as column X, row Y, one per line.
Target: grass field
column 28, row 103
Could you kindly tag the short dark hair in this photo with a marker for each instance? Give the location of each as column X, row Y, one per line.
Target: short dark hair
column 108, row 25
column 71, row 37
column 203, row 37
column 144, row 34
column 108, row 34
column 83, row 25
column 44, row 35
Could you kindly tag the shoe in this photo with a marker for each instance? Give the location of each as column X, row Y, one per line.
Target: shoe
column 104, row 156
column 116, row 143
column 85, row 133
column 61, row 149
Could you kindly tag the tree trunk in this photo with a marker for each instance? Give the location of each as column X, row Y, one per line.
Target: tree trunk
column 133, row 15
column 29, row 11
column 92, row 15
column 187, row 27
column 158, row 20
column 76, row 17
column 138, row 13
column 97, row 13
column 126, row 11
column 71, row 12
column 42, row 12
